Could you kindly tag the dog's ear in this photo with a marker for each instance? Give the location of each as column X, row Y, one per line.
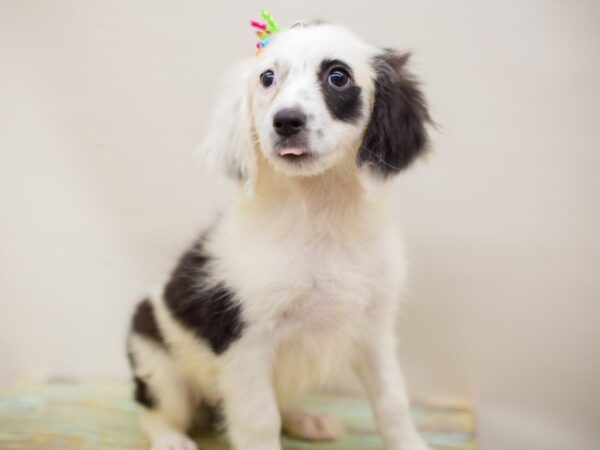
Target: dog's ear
column 396, row 133
column 229, row 145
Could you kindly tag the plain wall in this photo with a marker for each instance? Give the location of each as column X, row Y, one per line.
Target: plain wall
column 103, row 102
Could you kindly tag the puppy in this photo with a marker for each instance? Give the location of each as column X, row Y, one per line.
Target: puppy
column 301, row 277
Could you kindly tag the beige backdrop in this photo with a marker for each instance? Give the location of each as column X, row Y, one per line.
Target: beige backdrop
column 103, row 102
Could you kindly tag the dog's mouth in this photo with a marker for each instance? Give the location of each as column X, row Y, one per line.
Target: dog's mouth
column 293, row 153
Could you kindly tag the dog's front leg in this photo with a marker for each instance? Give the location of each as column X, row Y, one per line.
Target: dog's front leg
column 380, row 373
column 251, row 412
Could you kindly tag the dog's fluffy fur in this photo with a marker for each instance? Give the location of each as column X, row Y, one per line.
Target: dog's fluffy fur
column 301, row 277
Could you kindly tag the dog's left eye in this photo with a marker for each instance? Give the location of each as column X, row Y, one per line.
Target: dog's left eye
column 338, row 78
column 267, row 78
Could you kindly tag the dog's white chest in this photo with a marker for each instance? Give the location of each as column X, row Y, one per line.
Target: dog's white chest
column 326, row 287
column 318, row 271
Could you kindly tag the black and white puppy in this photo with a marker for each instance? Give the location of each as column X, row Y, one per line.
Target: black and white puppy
column 301, row 277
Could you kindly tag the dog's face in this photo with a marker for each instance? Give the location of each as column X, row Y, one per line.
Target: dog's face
column 315, row 96
column 312, row 95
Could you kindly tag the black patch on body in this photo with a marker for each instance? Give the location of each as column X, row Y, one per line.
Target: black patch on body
column 210, row 415
column 396, row 133
column 199, row 304
column 144, row 322
column 344, row 104
column 142, row 393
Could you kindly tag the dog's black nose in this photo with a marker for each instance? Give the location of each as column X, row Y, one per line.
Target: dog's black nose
column 288, row 122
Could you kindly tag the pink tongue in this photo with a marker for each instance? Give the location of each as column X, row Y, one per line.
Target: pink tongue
column 291, row 151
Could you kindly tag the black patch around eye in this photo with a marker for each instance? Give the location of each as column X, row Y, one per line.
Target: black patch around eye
column 343, row 104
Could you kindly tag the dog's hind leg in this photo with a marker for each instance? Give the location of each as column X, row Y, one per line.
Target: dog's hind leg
column 165, row 396
column 311, row 426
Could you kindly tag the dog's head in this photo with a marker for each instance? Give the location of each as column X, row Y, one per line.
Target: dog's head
column 318, row 95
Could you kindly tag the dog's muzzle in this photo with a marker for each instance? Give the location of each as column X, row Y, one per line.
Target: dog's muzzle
column 290, row 125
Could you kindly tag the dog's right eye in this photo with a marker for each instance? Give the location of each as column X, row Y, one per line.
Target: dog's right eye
column 267, row 78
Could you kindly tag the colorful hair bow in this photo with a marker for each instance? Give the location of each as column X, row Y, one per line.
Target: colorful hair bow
column 264, row 31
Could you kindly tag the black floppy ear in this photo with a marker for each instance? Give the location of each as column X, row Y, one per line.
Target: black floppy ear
column 396, row 133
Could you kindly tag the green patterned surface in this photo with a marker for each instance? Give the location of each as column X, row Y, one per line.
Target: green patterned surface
column 100, row 415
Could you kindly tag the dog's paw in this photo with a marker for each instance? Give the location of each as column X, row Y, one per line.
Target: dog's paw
column 174, row 442
column 312, row 426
